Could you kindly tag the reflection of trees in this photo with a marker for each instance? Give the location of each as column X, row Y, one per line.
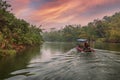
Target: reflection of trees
column 107, row 46
column 61, row 46
column 10, row 64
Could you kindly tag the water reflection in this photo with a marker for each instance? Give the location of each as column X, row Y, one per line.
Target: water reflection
column 10, row 64
column 48, row 51
column 107, row 46
column 61, row 61
column 31, row 55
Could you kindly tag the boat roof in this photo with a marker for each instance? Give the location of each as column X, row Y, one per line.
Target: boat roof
column 81, row 40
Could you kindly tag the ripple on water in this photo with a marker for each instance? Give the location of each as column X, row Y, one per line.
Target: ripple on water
column 19, row 77
column 78, row 66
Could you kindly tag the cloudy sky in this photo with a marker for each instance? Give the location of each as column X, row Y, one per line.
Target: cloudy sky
column 57, row 13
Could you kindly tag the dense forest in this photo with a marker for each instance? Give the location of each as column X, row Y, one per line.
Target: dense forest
column 107, row 30
column 15, row 34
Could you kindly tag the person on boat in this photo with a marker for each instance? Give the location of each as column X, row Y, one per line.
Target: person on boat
column 87, row 48
column 80, row 48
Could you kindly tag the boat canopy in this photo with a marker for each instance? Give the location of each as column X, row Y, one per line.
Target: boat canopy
column 81, row 40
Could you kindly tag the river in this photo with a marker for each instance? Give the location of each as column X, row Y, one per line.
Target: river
column 61, row 61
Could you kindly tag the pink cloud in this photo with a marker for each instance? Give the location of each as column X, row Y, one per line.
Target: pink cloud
column 63, row 12
column 19, row 6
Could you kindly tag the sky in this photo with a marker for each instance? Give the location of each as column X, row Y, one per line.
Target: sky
column 58, row 13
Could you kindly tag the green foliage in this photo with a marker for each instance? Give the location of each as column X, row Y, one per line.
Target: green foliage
column 68, row 33
column 16, row 32
column 7, row 52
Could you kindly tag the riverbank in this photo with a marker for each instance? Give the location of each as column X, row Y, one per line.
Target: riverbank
column 15, row 50
column 107, row 40
column 10, row 52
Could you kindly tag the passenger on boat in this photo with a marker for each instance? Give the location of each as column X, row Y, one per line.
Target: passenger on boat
column 80, row 48
column 87, row 48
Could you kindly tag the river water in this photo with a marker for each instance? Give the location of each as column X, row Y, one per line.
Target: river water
column 61, row 61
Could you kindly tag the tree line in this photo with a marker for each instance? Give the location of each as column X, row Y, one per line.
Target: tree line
column 106, row 29
column 16, row 33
